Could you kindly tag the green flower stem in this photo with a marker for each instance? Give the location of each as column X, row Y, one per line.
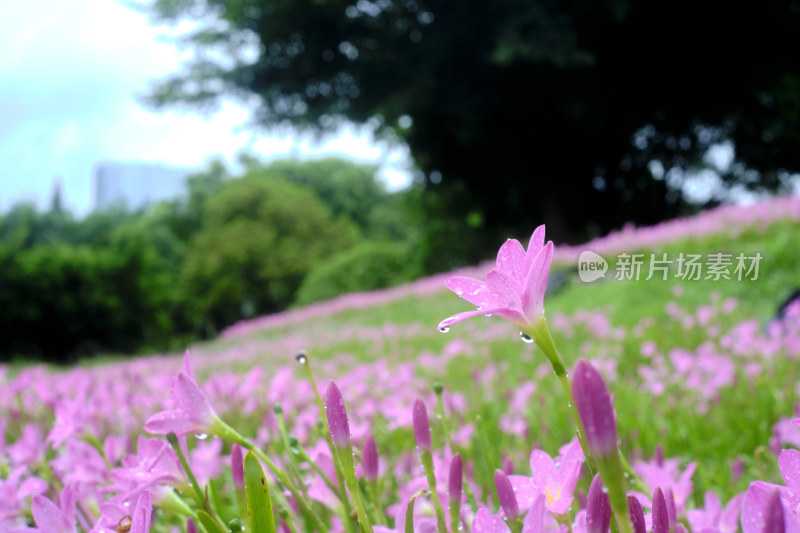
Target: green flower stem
column 541, row 334
column 223, row 430
column 514, row 525
column 201, row 499
column 345, row 457
column 289, row 524
column 344, row 514
column 455, row 514
column 638, row 484
column 294, row 470
column 427, row 464
column 328, row 481
column 613, row 476
column 438, row 389
column 374, row 494
column 241, row 504
column 488, row 462
column 171, row 501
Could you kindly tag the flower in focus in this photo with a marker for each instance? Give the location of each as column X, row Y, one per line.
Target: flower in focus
column 514, row 288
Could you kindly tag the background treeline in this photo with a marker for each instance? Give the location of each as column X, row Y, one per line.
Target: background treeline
column 231, row 248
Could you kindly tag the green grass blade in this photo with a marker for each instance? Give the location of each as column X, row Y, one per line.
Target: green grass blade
column 410, row 510
column 208, row 523
column 259, row 504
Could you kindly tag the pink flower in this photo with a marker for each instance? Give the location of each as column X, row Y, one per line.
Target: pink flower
column 713, row 517
column 142, row 514
column 486, row 522
column 556, row 484
column 754, row 506
column 193, row 412
column 154, row 468
column 514, row 288
column 52, row 518
column 667, row 475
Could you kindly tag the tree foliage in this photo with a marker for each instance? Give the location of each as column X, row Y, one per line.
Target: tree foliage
column 366, row 267
column 519, row 110
column 231, row 248
column 260, row 237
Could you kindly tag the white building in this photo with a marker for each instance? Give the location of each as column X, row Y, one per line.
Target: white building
column 136, row 185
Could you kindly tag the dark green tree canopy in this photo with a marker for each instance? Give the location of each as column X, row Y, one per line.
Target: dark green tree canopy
column 521, row 110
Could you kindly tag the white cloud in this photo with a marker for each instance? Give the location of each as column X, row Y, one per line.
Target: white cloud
column 70, row 72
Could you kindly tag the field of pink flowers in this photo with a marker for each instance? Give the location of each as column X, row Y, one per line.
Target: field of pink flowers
column 359, row 415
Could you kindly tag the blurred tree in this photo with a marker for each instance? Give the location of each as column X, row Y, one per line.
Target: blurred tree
column 544, row 110
column 260, row 237
column 365, row 267
column 347, row 188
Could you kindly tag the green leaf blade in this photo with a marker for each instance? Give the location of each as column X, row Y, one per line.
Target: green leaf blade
column 259, row 504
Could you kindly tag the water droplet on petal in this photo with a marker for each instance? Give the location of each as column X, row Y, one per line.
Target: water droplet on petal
column 444, row 329
column 525, row 338
column 201, row 436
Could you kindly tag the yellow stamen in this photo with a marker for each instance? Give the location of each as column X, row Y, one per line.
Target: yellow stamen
column 550, row 498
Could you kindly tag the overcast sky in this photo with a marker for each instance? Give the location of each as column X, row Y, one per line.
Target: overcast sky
column 69, row 73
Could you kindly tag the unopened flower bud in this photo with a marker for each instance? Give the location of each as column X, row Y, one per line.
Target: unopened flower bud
column 422, row 428
column 505, row 493
column 370, row 459
column 595, row 409
column 660, row 513
column 337, row 416
column 637, row 515
column 455, row 483
column 598, row 510
column 237, row 466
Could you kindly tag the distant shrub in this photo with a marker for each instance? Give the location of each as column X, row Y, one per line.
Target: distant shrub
column 260, row 238
column 368, row 266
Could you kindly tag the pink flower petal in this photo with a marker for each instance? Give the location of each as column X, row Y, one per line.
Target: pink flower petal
column 729, row 519
column 189, row 398
column 472, row 290
column 504, row 289
column 486, row 522
column 754, row 506
column 525, row 490
column 789, row 464
column 48, row 516
column 536, row 283
column 142, row 514
column 534, row 521
column 511, row 260
column 534, row 245
column 171, row 421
